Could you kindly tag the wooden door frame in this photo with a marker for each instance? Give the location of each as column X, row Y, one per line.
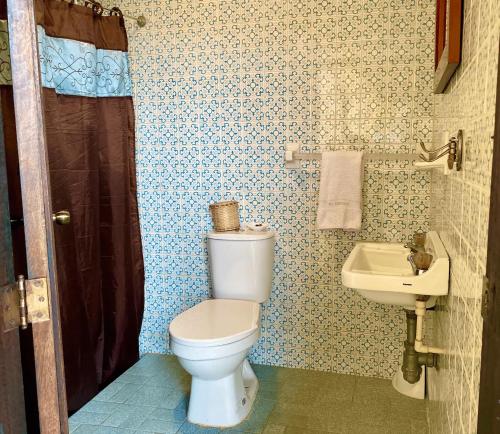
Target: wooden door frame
column 489, row 387
column 12, row 413
column 37, row 211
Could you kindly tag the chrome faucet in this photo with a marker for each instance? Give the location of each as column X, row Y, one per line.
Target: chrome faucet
column 419, row 261
column 414, row 248
column 418, row 244
column 412, row 263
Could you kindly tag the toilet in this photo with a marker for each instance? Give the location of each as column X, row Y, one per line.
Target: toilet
column 212, row 339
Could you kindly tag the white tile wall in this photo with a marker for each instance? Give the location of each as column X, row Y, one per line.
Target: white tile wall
column 459, row 210
column 220, row 88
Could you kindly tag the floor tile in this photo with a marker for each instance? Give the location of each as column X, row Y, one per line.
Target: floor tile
column 296, row 417
column 160, row 426
column 155, row 397
column 129, row 416
column 170, row 381
column 177, row 414
column 104, row 407
column 124, row 394
column 129, row 378
column 358, row 428
column 152, row 398
column 109, row 391
column 72, row 426
column 189, row 428
column 272, row 428
column 85, row 417
column 96, row 429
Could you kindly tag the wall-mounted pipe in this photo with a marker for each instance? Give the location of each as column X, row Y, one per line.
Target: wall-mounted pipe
column 420, row 347
column 412, row 359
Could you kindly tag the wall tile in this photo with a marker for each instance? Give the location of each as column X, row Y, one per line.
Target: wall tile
column 220, row 87
column 459, row 210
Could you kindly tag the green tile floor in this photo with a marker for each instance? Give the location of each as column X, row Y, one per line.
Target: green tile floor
column 151, row 397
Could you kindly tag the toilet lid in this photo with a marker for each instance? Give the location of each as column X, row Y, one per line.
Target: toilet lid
column 216, row 322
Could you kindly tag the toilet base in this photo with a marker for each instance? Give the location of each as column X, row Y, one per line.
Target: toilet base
column 224, row 402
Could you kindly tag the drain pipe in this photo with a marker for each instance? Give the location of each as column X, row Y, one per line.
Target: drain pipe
column 412, row 359
column 420, row 347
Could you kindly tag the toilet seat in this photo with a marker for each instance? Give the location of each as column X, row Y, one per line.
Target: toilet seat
column 216, row 322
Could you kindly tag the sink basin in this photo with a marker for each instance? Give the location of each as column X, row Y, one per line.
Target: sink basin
column 381, row 272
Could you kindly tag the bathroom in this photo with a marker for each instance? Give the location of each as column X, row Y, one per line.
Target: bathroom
column 233, row 100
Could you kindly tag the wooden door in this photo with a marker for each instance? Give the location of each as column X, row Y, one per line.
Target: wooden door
column 37, row 215
column 12, row 415
column 489, row 395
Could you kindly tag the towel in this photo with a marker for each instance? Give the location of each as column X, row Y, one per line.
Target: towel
column 340, row 190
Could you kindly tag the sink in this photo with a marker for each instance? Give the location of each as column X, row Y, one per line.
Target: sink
column 381, row 272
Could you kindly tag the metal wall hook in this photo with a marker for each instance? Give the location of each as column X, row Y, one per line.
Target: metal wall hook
column 434, row 157
column 432, row 151
column 453, row 148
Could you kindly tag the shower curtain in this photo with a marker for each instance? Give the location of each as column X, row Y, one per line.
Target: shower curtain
column 89, row 120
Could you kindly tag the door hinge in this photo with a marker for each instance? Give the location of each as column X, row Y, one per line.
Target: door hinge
column 24, row 302
column 485, row 297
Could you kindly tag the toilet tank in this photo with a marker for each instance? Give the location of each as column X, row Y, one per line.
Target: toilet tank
column 241, row 264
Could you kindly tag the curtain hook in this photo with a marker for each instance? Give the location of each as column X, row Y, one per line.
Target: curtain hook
column 96, row 7
column 116, row 11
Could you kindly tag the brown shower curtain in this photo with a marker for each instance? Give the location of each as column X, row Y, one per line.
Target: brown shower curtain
column 89, row 120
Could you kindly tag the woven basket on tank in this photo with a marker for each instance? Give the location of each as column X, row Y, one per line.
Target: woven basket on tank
column 225, row 216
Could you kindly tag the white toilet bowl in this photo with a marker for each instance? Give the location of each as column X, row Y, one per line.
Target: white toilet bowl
column 211, row 341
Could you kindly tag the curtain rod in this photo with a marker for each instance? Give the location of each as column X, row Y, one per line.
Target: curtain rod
column 99, row 8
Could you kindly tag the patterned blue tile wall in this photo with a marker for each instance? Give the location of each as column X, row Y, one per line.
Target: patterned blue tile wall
column 220, row 88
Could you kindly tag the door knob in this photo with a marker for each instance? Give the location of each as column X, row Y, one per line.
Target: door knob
column 62, row 217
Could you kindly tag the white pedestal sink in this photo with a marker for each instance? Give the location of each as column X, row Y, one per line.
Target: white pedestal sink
column 382, row 273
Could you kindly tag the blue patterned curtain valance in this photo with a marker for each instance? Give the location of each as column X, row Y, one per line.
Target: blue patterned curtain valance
column 73, row 67
column 79, row 68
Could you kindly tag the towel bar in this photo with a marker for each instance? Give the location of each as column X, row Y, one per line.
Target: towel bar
column 368, row 156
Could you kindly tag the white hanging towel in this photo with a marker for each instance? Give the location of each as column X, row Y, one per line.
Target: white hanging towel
column 340, row 190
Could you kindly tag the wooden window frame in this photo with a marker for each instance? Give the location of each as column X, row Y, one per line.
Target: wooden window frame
column 448, row 42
